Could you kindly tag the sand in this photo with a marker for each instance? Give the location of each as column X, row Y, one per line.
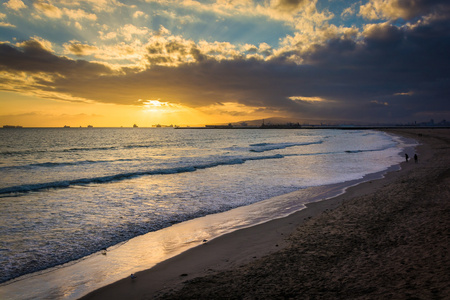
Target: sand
column 383, row 239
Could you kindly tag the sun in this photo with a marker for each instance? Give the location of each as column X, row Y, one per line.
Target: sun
column 158, row 106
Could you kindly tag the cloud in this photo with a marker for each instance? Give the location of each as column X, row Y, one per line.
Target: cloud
column 79, row 49
column 79, row 14
column 349, row 11
column 134, row 53
column 167, row 50
column 108, row 6
column 307, row 99
column 344, row 74
column 379, row 103
column 163, row 31
column 129, row 31
column 288, row 11
column 407, row 10
column 5, row 24
column 37, row 42
column 33, row 58
column 107, row 36
column 78, row 25
column 139, row 14
column 289, row 5
column 15, row 5
column 230, row 109
column 53, row 11
column 404, row 94
column 48, row 9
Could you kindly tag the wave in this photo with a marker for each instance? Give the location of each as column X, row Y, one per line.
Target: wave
column 26, row 188
column 74, row 149
column 387, row 146
column 62, row 164
column 263, row 147
column 21, row 152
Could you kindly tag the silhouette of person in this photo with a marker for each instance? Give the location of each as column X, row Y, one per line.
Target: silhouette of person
column 406, row 157
column 416, row 159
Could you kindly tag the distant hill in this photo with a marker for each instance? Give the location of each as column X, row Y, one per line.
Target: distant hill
column 283, row 121
column 273, row 121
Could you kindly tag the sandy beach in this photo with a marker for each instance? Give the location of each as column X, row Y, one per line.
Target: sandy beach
column 383, row 239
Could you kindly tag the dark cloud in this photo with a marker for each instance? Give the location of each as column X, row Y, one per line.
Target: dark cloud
column 387, row 62
column 197, row 55
column 289, row 5
column 409, row 9
column 80, row 49
column 33, row 58
column 175, row 47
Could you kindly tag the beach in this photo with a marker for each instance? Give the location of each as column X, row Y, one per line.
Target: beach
column 385, row 238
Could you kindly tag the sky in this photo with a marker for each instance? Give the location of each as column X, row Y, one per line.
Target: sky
column 188, row 62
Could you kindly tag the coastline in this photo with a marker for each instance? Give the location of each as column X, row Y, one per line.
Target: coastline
column 247, row 247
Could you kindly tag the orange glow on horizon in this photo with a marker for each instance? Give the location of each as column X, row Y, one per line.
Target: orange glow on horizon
column 31, row 111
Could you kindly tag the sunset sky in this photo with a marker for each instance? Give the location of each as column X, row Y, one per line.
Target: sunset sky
column 187, row 62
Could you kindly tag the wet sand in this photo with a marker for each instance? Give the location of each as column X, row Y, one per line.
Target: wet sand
column 386, row 238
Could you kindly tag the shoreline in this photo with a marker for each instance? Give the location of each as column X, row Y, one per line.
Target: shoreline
column 246, row 246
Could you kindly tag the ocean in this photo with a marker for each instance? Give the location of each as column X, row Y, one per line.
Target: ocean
column 68, row 193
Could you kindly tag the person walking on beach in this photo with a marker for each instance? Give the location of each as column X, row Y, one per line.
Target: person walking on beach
column 416, row 159
column 406, row 157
